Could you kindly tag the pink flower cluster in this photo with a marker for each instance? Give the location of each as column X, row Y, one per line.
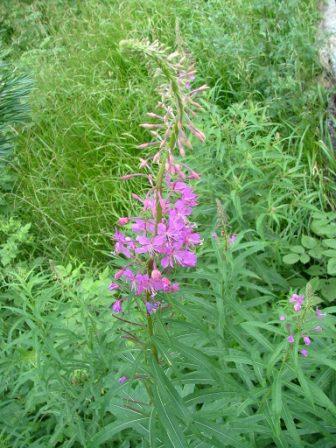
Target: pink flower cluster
column 166, row 242
column 298, row 303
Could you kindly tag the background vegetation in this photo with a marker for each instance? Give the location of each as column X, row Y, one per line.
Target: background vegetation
column 267, row 175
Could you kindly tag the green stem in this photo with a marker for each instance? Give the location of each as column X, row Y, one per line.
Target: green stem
column 150, row 329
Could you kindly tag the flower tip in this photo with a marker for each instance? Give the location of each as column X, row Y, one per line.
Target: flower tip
column 122, row 221
column 123, row 379
column 306, row 340
column 290, row 339
column 113, row 286
column 117, row 306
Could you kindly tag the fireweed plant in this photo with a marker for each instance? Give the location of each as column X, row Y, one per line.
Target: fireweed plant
column 302, row 321
column 162, row 237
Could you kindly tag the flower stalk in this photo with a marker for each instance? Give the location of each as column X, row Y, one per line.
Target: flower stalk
column 162, row 237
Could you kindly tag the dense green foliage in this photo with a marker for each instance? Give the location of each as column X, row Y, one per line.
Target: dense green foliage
column 227, row 376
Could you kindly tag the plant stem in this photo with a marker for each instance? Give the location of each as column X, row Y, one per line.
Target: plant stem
column 151, row 333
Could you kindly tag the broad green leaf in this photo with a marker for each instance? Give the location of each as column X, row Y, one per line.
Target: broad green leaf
column 297, row 249
column 291, row 258
column 317, row 252
column 329, row 243
column 331, row 266
column 305, row 258
column 308, row 242
column 331, row 253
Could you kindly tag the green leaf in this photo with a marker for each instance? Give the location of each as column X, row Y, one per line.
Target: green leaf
column 329, row 243
column 114, row 428
column 331, row 267
column 317, row 252
column 331, row 253
column 291, row 258
column 169, row 423
column 297, row 249
column 328, row 289
column 308, row 242
column 169, row 391
column 305, row 258
column 276, row 395
column 316, row 270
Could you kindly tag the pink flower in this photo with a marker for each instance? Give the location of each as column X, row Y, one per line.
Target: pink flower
column 152, row 307
column 123, row 379
column 113, row 286
column 297, row 300
column 232, row 239
column 290, row 339
column 304, row 352
column 297, row 307
column 123, row 221
column 306, row 340
column 282, row 317
column 116, row 306
column 156, row 274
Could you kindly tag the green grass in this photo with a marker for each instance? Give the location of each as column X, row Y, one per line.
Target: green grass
column 89, row 100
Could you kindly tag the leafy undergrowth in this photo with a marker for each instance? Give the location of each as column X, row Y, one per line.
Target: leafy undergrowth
column 233, row 379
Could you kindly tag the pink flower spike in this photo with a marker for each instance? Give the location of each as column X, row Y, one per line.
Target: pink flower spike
column 290, row 339
column 304, row 352
column 122, row 221
column 306, row 340
column 282, row 317
column 123, row 379
column 116, row 307
column 113, row 286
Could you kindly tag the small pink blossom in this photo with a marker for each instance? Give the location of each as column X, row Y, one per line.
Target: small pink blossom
column 123, row 379
column 156, row 274
column 306, row 340
column 304, row 352
column 152, row 307
column 117, row 306
column 113, row 286
column 282, row 317
column 290, row 339
column 122, row 221
column 297, row 307
column 232, row 239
